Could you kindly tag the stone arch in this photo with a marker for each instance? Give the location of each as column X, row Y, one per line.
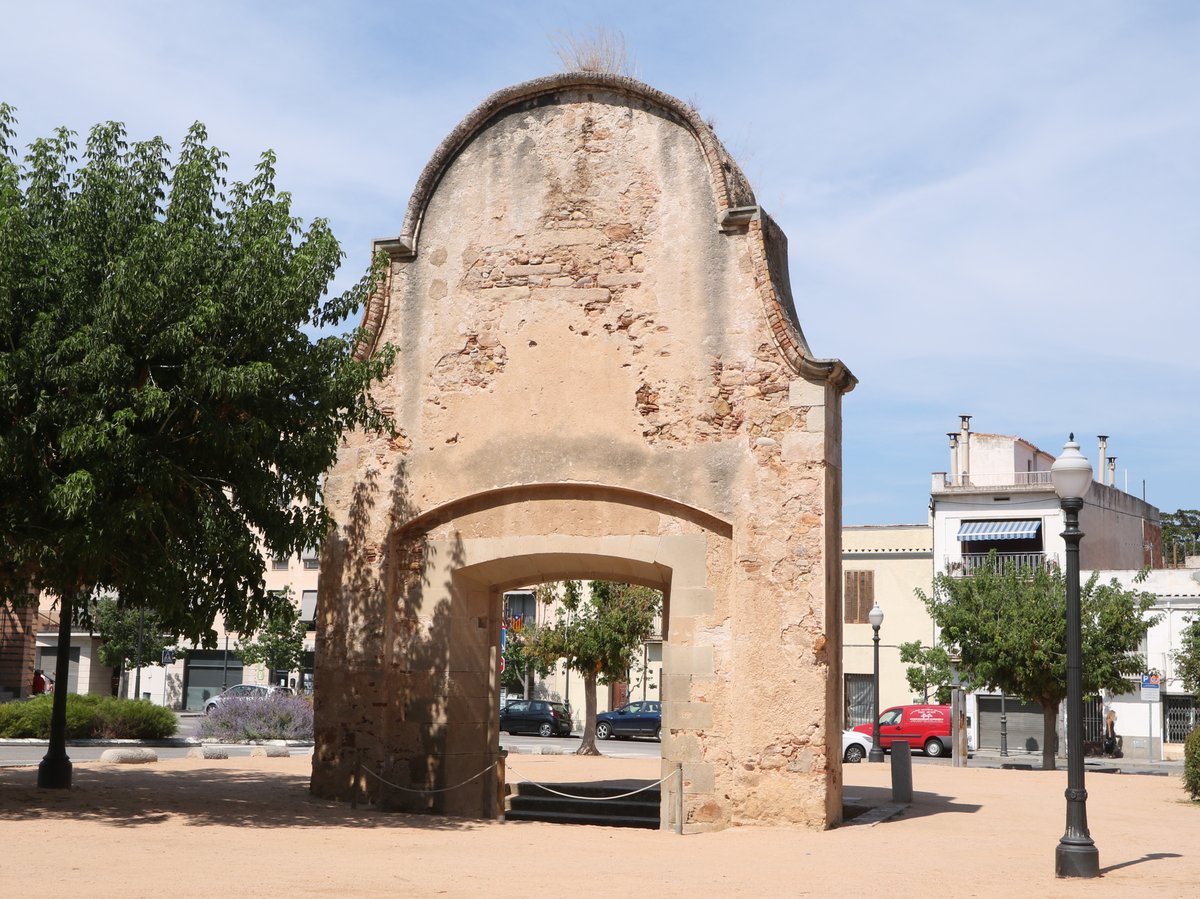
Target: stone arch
column 600, row 373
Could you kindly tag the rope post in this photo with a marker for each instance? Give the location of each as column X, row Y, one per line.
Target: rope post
column 357, row 779
column 501, row 784
column 679, row 799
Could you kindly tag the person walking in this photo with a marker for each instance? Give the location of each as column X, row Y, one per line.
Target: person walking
column 39, row 682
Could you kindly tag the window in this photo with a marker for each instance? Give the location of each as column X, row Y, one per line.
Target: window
column 859, row 596
column 312, row 559
column 860, row 698
column 520, row 609
column 308, row 607
column 279, row 563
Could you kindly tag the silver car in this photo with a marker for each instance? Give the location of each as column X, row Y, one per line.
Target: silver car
column 246, row 691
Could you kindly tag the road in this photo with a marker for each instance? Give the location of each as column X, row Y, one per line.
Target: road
column 620, row 749
column 24, row 752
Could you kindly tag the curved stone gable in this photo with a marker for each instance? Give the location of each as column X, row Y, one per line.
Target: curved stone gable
column 600, row 374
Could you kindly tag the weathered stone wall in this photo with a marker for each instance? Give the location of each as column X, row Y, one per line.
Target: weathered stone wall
column 599, row 375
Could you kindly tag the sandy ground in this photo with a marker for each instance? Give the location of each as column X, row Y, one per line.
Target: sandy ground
column 247, row 827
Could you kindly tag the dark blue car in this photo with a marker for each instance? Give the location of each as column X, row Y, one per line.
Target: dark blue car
column 634, row 719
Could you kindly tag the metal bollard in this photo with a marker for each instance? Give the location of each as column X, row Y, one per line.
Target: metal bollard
column 901, row 772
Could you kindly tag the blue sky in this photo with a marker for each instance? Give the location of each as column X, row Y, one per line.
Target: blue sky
column 992, row 208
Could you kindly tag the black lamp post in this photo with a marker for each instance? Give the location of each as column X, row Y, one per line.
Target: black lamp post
column 876, row 618
column 1076, row 855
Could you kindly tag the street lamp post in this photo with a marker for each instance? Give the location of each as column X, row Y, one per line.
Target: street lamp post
column 1003, row 727
column 876, row 618
column 1076, row 855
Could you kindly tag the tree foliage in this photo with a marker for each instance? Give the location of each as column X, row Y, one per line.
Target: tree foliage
column 163, row 408
column 130, row 637
column 161, row 405
column 1008, row 624
column 519, row 662
column 279, row 643
column 1187, row 657
column 1181, row 534
column 597, row 635
column 928, row 673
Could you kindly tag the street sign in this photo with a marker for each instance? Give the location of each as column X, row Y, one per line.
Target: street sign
column 501, row 664
column 1150, row 687
column 168, row 657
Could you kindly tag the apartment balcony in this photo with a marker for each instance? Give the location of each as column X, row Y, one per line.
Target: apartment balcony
column 46, row 621
column 976, row 481
column 969, row 563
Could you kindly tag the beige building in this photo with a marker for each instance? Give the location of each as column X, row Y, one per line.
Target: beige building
column 884, row 565
column 31, row 641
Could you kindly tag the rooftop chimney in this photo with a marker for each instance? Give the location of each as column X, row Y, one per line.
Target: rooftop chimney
column 953, row 469
column 1112, row 471
column 1103, row 438
column 964, row 448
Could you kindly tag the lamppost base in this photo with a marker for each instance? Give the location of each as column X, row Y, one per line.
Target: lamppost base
column 875, row 755
column 1076, row 860
column 54, row 773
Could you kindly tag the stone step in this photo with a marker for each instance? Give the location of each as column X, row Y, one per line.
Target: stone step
column 586, row 804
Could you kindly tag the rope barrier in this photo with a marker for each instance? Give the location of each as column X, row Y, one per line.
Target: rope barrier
column 590, row 798
column 678, row 772
column 438, row 790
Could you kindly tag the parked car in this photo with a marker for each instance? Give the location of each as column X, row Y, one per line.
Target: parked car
column 246, row 691
column 855, row 746
column 634, row 719
column 536, row 716
column 925, row 727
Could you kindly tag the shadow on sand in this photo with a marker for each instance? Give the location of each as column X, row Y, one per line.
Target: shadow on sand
column 134, row 797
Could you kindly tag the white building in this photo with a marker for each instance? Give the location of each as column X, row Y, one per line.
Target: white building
column 1154, row 722
column 997, row 495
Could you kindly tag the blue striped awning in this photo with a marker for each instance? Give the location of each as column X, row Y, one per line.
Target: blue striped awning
column 1019, row 529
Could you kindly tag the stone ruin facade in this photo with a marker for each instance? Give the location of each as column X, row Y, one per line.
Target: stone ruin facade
column 600, row 374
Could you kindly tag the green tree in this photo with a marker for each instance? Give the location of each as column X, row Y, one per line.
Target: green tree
column 597, row 636
column 279, row 643
column 928, row 672
column 131, row 637
column 163, row 407
column 1009, row 626
column 1181, row 534
column 519, row 663
column 1187, row 657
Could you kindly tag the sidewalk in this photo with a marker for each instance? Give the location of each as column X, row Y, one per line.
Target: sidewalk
column 248, row 827
column 991, row 758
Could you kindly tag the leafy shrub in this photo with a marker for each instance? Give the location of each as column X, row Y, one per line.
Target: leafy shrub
column 271, row 718
column 1191, row 764
column 88, row 718
column 119, row 718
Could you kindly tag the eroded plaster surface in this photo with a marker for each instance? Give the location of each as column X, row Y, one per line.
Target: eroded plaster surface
column 600, row 374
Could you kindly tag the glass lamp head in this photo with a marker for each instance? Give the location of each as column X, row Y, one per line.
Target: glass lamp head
column 1071, row 472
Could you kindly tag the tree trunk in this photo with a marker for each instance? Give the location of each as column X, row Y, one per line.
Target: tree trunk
column 1049, row 734
column 587, row 745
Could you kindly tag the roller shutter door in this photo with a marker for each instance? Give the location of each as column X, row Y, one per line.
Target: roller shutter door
column 1024, row 724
